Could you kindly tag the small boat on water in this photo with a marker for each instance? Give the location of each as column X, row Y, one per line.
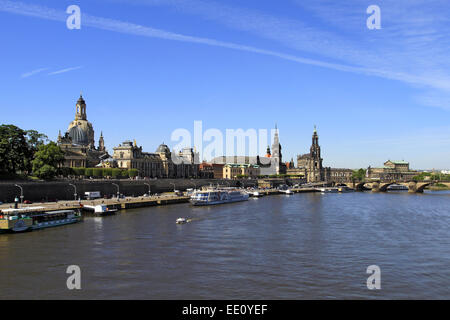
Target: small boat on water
column 397, row 187
column 328, row 190
column 218, row 196
column 20, row 220
column 100, row 210
column 255, row 194
column 286, row 190
column 181, row 221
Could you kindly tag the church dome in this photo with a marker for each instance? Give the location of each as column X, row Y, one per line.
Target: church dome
column 78, row 135
column 163, row 149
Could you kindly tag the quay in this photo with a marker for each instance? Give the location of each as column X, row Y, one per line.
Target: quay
column 129, row 202
column 120, row 204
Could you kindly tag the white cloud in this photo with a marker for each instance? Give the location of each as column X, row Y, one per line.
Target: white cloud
column 29, row 74
column 64, row 70
column 411, row 47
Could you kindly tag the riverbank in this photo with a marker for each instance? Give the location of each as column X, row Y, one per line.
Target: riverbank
column 130, row 202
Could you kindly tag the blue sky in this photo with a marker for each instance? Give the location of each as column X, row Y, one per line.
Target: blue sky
column 148, row 67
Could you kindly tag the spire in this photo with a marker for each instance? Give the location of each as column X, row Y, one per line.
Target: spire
column 315, row 129
column 135, row 144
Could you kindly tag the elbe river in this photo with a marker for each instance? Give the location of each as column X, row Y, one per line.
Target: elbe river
column 304, row 246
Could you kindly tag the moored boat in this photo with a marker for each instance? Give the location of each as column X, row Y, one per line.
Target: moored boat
column 328, row 190
column 286, row 190
column 54, row 218
column 100, row 210
column 397, row 187
column 217, row 196
column 255, row 194
column 12, row 222
column 28, row 219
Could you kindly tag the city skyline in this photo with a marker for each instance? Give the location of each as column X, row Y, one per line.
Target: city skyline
column 153, row 85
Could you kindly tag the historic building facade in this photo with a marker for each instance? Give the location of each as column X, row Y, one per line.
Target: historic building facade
column 160, row 164
column 341, row 175
column 78, row 142
column 272, row 163
column 311, row 162
column 232, row 171
column 392, row 170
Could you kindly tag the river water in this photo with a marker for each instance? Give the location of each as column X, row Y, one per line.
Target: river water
column 305, row 246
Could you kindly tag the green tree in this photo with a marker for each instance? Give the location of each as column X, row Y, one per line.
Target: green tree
column 359, row 175
column 47, row 160
column 15, row 154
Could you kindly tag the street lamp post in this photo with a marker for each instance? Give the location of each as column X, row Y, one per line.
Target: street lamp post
column 21, row 193
column 149, row 188
column 75, row 187
column 118, row 189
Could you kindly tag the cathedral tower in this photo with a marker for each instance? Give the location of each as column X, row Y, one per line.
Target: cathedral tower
column 316, row 172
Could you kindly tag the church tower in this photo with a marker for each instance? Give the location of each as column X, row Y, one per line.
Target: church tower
column 101, row 143
column 315, row 170
column 276, row 154
column 276, row 146
column 315, row 148
column 80, row 113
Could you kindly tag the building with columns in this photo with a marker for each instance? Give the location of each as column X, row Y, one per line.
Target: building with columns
column 161, row 164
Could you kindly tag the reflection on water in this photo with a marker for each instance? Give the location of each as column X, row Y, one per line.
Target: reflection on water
column 276, row 247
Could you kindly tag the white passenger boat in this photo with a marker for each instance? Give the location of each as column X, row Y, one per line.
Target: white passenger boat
column 100, row 210
column 255, row 194
column 397, row 187
column 285, row 189
column 55, row 218
column 328, row 190
column 217, row 196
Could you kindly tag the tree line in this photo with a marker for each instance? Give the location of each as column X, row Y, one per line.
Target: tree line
column 28, row 152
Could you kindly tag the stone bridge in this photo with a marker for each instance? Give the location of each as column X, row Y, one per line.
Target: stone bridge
column 381, row 186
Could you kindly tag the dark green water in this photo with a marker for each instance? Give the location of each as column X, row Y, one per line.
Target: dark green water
column 304, row 246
